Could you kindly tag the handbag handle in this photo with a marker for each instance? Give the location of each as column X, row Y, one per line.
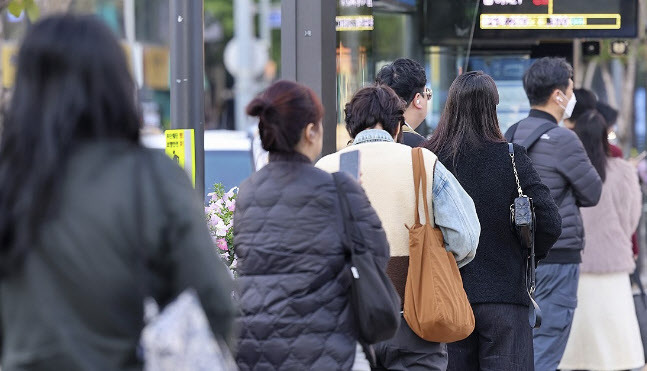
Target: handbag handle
column 420, row 178
column 534, row 312
column 514, row 168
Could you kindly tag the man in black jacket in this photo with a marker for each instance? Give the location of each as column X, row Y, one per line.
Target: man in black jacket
column 407, row 78
column 562, row 163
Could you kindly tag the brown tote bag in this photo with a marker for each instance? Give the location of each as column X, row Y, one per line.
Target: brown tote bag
column 435, row 304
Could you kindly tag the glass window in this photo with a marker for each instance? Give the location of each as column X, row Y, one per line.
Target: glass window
column 227, row 167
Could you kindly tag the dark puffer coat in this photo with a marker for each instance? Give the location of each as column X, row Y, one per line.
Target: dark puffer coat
column 561, row 160
column 294, row 278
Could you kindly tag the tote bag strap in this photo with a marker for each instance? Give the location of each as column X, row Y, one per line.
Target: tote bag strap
column 420, row 179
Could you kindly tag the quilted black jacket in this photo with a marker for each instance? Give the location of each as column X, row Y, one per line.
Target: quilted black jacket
column 294, row 279
column 561, row 160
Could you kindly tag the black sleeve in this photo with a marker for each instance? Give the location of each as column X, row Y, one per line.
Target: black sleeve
column 368, row 223
column 412, row 140
column 549, row 223
column 190, row 254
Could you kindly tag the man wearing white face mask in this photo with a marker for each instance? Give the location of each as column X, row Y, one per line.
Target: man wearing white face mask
column 561, row 161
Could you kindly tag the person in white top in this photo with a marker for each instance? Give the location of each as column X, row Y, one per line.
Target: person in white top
column 373, row 119
column 605, row 333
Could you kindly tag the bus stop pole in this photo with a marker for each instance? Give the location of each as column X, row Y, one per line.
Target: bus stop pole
column 187, row 76
column 308, row 39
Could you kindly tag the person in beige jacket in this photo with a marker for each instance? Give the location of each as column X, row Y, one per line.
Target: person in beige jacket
column 373, row 119
column 605, row 333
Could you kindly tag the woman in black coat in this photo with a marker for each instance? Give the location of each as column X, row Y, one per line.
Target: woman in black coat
column 294, row 277
column 469, row 143
column 91, row 222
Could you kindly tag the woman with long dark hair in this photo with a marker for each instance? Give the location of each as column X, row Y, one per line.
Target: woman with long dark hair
column 91, row 222
column 605, row 333
column 469, row 143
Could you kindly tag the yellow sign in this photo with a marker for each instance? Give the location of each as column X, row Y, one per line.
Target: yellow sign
column 9, row 62
column 551, row 21
column 355, row 23
column 156, row 67
column 180, row 147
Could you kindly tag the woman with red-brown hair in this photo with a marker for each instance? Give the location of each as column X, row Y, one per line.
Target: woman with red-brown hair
column 294, row 278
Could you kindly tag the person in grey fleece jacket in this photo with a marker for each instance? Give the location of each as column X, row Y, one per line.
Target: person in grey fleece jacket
column 563, row 165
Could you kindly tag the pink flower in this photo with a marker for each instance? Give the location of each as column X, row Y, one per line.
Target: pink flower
column 230, row 205
column 222, row 244
column 232, row 192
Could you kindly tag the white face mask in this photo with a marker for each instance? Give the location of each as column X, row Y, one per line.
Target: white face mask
column 568, row 110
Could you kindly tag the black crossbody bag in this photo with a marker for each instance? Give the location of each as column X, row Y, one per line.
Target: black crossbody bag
column 522, row 217
column 375, row 302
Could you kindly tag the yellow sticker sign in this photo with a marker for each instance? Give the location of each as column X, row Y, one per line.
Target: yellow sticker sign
column 9, row 62
column 180, row 147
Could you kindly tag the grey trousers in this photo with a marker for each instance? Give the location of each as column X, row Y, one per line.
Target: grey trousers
column 557, row 297
column 406, row 351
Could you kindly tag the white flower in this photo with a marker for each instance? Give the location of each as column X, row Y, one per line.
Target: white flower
column 221, row 228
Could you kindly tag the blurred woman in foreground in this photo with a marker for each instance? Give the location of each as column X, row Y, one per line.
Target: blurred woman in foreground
column 91, row 222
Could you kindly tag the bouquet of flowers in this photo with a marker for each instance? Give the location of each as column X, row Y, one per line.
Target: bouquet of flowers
column 220, row 219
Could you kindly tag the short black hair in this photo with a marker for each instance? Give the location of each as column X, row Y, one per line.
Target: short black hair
column 372, row 105
column 586, row 100
column 405, row 76
column 544, row 76
column 609, row 113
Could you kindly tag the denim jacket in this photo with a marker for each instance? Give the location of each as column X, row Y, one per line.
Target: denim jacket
column 454, row 210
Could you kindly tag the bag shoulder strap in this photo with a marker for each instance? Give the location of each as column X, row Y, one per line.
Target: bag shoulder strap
column 420, row 180
column 536, row 134
column 514, row 168
column 509, row 134
column 347, row 216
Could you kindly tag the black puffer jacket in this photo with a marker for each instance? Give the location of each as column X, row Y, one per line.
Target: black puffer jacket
column 561, row 160
column 294, row 279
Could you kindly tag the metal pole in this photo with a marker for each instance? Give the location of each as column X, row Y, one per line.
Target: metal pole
column 244, row 79
column 187, row 76
column 308, row 39
column 135, row 49
column 264, row 21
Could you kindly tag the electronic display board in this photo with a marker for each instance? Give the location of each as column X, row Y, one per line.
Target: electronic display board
column 449, row 22
column 557, row 18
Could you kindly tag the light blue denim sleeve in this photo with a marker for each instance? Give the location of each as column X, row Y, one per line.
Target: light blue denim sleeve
column 455, row 215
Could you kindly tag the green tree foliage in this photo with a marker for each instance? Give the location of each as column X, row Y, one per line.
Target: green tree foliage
column 223, row 11
column 16, row 7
